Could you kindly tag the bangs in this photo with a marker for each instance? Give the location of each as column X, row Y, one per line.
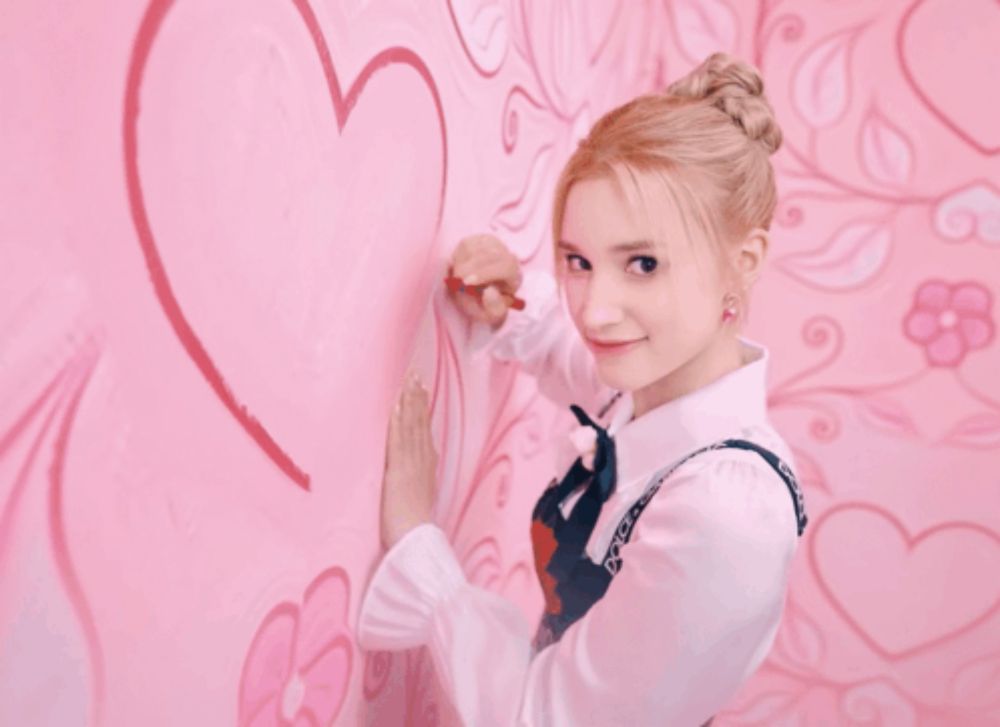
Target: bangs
column 667, row 204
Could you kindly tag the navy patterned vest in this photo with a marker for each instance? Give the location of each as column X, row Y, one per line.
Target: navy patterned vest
column 571, row 581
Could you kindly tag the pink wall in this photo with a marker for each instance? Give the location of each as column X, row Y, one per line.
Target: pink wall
column 224, row 229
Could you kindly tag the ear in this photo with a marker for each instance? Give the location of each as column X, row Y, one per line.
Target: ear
column 750, row 254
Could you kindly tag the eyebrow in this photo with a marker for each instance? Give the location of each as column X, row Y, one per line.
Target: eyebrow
column 620, row 247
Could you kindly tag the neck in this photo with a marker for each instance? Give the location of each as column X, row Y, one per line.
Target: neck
column 722, row 356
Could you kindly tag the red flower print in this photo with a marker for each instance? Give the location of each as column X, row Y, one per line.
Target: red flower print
column 544, row 541
column 949, row 320
column 299, row 663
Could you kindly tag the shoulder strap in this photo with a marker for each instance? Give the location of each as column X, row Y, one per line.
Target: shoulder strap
column 612, row 400
column 612, row 559
column 784, row 471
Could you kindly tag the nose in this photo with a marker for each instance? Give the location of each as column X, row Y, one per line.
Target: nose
column 600, row 305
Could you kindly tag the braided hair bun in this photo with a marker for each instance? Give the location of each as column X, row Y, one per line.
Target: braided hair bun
column 736, row 88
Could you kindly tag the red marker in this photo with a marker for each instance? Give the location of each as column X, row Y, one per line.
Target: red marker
column 456, row 285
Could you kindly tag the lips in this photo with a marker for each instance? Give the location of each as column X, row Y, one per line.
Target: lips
column 612, row 346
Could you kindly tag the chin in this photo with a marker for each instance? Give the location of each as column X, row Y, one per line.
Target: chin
column 623, row 376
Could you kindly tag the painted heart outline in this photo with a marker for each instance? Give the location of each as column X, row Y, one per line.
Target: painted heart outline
column 149, row 28
column 880, row 526
column 939, row 106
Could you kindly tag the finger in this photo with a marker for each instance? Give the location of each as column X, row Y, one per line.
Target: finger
column 421, row 421
column 399, row 411
column 396, row 408
column 404, row 431
column 475, row 243
column 469, row 306
column 419, row 404
column 421, row 398
column 496, row 272
column 467, row 249
column 493, row 302
column 426, row 444
column 481, row 260
column 482, row 268
column 470, row 263
column 411, row 411
column 420, row 426
column 392, row 436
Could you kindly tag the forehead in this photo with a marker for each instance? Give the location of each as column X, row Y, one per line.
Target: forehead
column 604, row 211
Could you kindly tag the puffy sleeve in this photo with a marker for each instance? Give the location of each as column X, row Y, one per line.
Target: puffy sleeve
column 545, row 342
column 689, row 617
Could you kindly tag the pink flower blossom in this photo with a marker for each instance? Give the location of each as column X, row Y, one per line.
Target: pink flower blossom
column 298, row 666
column 949, row 320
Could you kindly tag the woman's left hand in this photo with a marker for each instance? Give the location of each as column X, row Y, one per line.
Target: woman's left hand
column 410, row 479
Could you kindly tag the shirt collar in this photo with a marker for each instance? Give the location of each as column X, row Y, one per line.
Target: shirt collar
column 712, row 412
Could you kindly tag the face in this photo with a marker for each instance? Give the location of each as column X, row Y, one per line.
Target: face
column 664, row 294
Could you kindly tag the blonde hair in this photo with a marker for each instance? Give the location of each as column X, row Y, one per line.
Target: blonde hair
column 712, row 130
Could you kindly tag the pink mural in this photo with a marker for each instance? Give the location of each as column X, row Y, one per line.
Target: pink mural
column 226, row 227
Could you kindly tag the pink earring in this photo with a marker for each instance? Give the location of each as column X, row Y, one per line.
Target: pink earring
column 730, row 311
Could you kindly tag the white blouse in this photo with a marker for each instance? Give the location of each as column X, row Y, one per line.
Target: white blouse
column 696, row 605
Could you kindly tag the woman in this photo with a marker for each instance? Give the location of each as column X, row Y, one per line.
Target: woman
column 664, row 550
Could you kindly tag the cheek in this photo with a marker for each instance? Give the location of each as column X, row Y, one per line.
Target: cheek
column 660, row 313
column 573, row 292
column 679, row 318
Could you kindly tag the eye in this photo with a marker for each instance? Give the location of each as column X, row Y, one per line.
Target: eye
column 649, row 267
column 651, row 260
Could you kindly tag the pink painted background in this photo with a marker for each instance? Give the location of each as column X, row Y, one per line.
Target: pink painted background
column 222, row 239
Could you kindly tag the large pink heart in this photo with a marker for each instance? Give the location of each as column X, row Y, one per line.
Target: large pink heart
column 948, row 55
column 290, row 284
column 930, row 587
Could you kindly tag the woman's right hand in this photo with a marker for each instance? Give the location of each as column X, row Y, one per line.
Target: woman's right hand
column 490, row 262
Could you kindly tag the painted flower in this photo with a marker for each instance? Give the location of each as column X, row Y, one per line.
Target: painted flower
column 949, row 320
column 298, row 666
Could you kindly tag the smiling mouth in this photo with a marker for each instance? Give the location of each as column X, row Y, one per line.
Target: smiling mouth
column 612, row 345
